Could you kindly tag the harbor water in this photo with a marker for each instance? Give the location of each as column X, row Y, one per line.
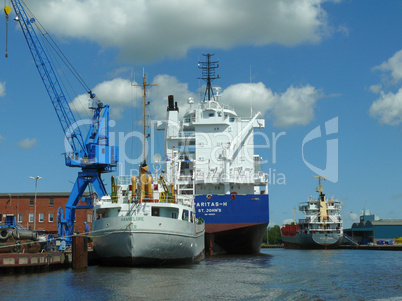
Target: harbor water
column 275, row 274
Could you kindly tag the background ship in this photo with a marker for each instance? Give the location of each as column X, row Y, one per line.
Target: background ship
column 320, row 229
column 213, row 150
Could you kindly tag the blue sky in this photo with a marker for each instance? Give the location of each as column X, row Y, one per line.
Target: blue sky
column 301, row 63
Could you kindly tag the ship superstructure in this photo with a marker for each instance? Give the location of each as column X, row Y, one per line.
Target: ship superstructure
column 212, row 149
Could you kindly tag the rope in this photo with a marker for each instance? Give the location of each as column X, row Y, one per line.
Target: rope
column 81, row 235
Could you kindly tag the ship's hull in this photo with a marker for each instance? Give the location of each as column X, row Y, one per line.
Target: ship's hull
column 234, row 224
column 147, row 240
column 313, row 241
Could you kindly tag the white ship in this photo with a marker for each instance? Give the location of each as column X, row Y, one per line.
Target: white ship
column 322, row 227
column 145, row 222
column 213, row 151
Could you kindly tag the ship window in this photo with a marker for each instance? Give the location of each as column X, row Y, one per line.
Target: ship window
column 155, row 211
column 232, row 119
column 185, row 215
column 211, row 114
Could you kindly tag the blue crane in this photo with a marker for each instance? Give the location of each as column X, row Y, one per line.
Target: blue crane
column 93, row 155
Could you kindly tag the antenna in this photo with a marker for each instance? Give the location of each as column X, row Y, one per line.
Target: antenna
column 251, row 99
column 208, row 74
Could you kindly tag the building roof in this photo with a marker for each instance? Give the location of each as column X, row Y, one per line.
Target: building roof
column 386, row 222
column 39, row 194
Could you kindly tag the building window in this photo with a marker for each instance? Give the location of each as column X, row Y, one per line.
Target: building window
column 41, row 216
column 89, row 218
column 31, row 217
column 19, row 218
column 31, row 201
column 51, row 202
column 51, row 218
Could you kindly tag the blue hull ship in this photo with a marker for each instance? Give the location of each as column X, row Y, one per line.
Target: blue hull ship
column 234, row 223
column 210, row 154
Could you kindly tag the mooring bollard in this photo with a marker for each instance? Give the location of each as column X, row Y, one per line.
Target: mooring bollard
column 80, row 252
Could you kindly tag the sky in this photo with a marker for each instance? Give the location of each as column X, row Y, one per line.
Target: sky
column 326, row 76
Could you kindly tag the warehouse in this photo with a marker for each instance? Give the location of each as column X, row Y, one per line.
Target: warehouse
column 374, row 230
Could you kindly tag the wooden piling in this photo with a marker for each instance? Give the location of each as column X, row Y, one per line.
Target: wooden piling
column 80, row 252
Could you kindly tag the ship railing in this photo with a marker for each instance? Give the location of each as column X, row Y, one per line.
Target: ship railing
column 123, row 180
column 187, row 134
column 216, row 105
column 185, row 200
column 261, row 177
column 243, row 177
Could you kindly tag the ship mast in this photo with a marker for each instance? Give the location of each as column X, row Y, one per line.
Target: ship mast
column 144, row 85
column 208, row 74
column 319, row 188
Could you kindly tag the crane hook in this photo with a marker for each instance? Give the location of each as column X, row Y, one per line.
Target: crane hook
column 7, row 11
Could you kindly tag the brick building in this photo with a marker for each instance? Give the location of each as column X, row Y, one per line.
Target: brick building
column 22, row 205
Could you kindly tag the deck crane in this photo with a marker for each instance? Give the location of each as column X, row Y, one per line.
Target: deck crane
column 93, row 155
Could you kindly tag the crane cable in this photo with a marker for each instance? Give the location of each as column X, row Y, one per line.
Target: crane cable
column 57, row 50
column 7, row 10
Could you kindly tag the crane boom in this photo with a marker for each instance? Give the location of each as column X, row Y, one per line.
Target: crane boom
column 49, row 78
column 93, row 155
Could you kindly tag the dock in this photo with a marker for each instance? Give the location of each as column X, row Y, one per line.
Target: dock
column 11, row 263
column 374, row 247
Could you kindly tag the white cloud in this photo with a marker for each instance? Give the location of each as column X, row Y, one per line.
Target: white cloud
column 354, row 217
column 388, row 108
column 295, row 106
column 288, row 221
column 117, row 92
column 375, row 88
column 27, row 143
column 168, row 85
column 151, row 30
column 393, row 65
column 2, row 89
column 243, row 96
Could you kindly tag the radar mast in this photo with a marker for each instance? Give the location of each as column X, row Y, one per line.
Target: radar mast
column 208, row 75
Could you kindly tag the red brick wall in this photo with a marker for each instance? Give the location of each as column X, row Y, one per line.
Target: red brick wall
column 8, row 205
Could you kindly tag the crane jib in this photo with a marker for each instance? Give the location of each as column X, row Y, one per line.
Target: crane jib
column 49, row 78
column 93, row 155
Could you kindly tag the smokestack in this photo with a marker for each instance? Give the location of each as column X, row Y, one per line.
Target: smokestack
column 171, row 104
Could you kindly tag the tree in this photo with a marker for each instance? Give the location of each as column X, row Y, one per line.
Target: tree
column 274, row 235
